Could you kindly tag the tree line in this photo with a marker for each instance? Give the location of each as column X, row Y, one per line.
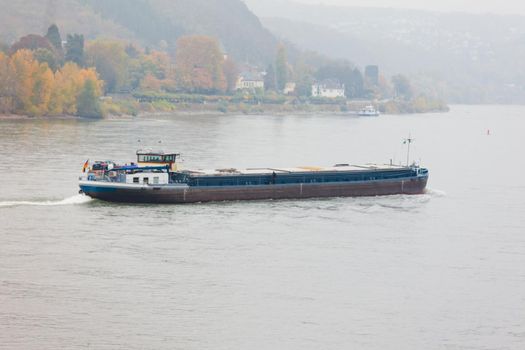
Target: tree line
column 37, row 78
column 44, row 75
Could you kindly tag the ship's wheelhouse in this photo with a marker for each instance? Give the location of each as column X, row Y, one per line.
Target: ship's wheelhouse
column 149, row 158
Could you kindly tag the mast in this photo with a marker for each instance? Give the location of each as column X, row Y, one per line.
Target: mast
column 408, row 142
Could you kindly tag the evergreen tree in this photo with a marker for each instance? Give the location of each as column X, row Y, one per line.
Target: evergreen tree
column 75, row 49
column 281, row 68
column 270, row 83
column 132, row 51
column 343, row 71
column 356, row 85
column 53, row 35
column 4, row 48
column 88, row 104
column 304, row 78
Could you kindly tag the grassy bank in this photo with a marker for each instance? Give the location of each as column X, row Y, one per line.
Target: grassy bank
column 138, row 104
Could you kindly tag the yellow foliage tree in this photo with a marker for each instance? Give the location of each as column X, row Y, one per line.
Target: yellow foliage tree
column 25, row 68
column 29, row 87
column 43, row 85
column 7, row 91
column 69, row 82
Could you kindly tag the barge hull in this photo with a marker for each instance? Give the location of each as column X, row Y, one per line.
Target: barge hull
column 180, row 195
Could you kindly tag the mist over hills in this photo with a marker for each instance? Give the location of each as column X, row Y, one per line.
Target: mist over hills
column 147, row 22
column 466, row 58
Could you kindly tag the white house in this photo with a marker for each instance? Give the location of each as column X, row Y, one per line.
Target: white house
column 250, row 81
column 289, row 88
column 330, row 88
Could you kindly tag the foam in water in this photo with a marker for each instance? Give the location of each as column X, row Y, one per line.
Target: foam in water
column 78, row 199
column 435, row 192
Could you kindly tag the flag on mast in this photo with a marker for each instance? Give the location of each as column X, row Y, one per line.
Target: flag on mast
column 86, row 166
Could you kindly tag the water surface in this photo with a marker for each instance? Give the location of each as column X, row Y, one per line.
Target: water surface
column 445, row 270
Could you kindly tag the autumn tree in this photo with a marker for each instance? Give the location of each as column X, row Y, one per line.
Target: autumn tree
column 32, row 42
column 199, row 65
column 29, row 87
column 33, row 84
column 42, row 90
column 7, row 85
column 24, row 67
column 111, row 61
column 43, row 49
column 281, row 68
column 150, row 83
column 69, row 81
column 48, row 57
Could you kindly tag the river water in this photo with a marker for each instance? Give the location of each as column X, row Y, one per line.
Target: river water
column 444, row 270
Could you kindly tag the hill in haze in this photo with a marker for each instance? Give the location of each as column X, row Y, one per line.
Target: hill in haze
column 466, row 58
column 148, row 22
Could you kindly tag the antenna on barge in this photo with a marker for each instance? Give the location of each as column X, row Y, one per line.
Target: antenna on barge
column 408, row 142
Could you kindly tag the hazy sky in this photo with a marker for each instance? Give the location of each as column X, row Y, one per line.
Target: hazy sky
column 493, row 6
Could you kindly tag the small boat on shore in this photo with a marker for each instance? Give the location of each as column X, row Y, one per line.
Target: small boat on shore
column 155, row 178
column 369, row 111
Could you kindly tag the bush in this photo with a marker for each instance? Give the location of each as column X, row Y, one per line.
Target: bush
column 88, row 103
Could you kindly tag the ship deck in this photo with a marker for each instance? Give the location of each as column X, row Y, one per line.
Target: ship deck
column 346, row 168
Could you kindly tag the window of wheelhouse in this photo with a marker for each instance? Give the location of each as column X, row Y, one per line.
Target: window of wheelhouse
column 149, row 158
column 156, row 158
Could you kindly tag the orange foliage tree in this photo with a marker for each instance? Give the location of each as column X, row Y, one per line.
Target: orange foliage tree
column 159, row 72
column 199, row 65
column 31, row 88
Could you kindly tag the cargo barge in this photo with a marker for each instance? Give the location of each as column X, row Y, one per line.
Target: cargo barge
column 155, row 178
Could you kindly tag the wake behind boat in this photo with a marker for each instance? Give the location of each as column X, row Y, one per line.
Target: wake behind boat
column 155, row 178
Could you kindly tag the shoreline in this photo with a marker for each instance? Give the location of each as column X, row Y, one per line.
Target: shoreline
column 146, row 111
column 133, row 106
column 28, row 117
column 211, row 113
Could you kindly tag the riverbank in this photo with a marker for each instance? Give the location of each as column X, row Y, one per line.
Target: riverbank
column 28, row 117
column 140, row 104
column 120, row 106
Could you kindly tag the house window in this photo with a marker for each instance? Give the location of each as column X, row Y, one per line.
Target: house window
column 136, row 180
column 146, row 180
column 156, row 180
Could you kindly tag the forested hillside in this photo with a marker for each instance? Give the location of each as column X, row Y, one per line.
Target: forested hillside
column 151, row 23
column 467, row 58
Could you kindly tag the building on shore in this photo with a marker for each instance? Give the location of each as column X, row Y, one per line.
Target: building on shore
column 330, row 88
column 289, row 89
column 250, row 81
